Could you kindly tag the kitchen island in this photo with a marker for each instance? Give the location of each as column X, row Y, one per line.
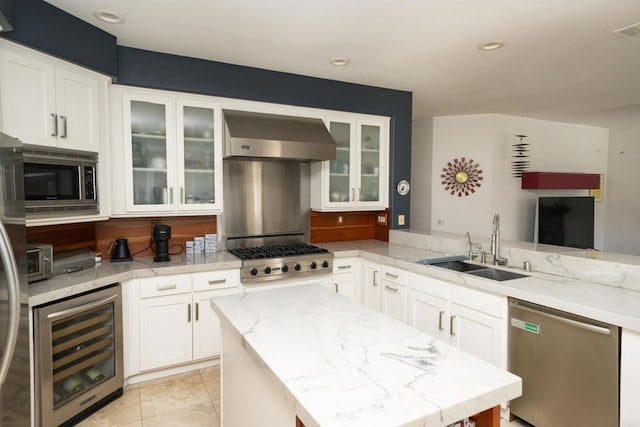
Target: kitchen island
column 304, row 352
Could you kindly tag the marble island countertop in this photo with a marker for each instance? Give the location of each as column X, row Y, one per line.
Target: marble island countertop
column 343, row 364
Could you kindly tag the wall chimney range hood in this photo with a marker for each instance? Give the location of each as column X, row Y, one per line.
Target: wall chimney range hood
column 260, row 136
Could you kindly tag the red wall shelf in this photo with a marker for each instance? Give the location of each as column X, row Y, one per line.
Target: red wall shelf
column 560, row 181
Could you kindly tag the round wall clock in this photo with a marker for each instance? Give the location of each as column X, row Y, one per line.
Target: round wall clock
column 461, row 177
column 403, row 187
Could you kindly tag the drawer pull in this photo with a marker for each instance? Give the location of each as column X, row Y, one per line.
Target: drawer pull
column 336, row 285
column 55, row 124
column 452, row 332
column 166, row 287
column 197, row 312
column 440, row 328
column 391, row 288
column 375, row 273
column 217, row 282
column 395, row 276
column 343, row 267
column 188, row 313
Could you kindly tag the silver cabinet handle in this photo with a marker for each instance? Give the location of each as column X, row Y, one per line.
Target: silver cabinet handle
column 64, row 126
column 197, row 312
column 55, row 124
column 171, row 195
column 182, row 195
column 358, row 194
column 440, row 315
column 336, row 285
column 10, row 268
column 217, row 282
column 343, row 267
column 188, row 313
column 353, row 194
column 391, row 288
column 375, row 273
column 452, row 332
column 395, row 276
column 166, row 287
column 84, row 307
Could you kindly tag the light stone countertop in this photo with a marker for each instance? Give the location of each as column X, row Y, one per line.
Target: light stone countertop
column 606, row 303
column 343, row 364
column 107, row 272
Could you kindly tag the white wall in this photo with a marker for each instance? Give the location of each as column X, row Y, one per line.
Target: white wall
column 488, row 139
column 622, row 198
column 421, row 172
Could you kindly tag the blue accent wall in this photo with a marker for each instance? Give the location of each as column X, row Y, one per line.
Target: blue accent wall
column 44, row 27
column 41, row 26
column 6, row 14
column 178, row 73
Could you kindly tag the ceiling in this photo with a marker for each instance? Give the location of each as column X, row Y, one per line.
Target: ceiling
column 559, row 62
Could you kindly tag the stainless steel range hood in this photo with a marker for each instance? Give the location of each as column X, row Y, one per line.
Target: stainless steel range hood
column 257, row 135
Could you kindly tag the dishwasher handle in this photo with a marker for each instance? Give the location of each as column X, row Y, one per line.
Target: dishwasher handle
column 578, row 324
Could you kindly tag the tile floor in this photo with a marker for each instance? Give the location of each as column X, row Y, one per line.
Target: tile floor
column 191, row 399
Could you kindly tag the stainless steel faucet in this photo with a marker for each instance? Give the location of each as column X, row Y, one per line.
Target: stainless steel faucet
column 478, row 246
column 495, row 242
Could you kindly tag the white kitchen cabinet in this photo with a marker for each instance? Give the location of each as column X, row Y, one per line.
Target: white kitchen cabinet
column 473, row 321
column 358, row 178
column 51, row 103
column 171, row 318
column 370, row 284
column 345, row 277
column 171, row 151
column 394, row 292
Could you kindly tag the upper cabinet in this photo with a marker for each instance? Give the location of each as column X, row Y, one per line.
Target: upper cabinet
column 357, row 178
column 171, row 150
column 50, row 103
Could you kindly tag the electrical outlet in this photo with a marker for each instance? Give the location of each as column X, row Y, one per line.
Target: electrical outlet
column 400, row 219
column 339, row 219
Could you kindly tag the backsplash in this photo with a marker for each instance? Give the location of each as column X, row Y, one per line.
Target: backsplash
column 345, row 226
column 618, row 270
column 98, row 236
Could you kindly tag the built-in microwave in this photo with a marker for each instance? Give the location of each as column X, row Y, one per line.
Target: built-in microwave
column 60, row 182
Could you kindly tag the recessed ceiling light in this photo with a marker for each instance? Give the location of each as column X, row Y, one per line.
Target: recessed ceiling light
column 340, row 62
column 492, row 45
column 109, row 17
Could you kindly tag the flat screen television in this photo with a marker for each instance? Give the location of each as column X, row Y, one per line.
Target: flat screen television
column 565, row 221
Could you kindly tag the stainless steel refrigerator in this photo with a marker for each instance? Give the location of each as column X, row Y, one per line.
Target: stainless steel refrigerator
column 15, row 369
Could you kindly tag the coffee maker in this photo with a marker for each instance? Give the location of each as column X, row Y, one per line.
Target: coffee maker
column 161, row 236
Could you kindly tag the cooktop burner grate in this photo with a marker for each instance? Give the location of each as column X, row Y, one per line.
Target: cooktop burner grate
column 276, row 251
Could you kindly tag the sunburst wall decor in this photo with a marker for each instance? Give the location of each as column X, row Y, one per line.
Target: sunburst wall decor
column 461, row 177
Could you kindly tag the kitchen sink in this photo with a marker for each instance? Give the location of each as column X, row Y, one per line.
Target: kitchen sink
column 495, row 274
column 459, row 266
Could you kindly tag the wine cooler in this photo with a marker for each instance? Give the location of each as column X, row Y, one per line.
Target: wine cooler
column 78, row 348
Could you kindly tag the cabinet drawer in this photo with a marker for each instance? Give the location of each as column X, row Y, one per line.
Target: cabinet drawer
column 429, row 285
column 392, row 274
column 345, row 265
column 165, row 285
column 481, row 301
column 212, row 280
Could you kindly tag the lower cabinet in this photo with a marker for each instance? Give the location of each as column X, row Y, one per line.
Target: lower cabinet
column 345, row 277
column 171, row 321
column 370, row 272
column 473, row 321
column 394, row 286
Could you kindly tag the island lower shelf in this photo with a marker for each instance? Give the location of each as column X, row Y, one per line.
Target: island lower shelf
column 306, row 355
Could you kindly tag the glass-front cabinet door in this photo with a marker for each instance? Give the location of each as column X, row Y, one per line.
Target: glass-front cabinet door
column 340, row 178
column 370, row 161
column 148, row 152
column 199, row 154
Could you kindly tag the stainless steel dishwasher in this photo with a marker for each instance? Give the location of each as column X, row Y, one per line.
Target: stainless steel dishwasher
column 569, row 367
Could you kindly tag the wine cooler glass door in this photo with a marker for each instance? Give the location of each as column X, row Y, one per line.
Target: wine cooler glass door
column 79, row 342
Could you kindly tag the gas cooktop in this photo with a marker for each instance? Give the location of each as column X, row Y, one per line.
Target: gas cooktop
column 282, row 261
